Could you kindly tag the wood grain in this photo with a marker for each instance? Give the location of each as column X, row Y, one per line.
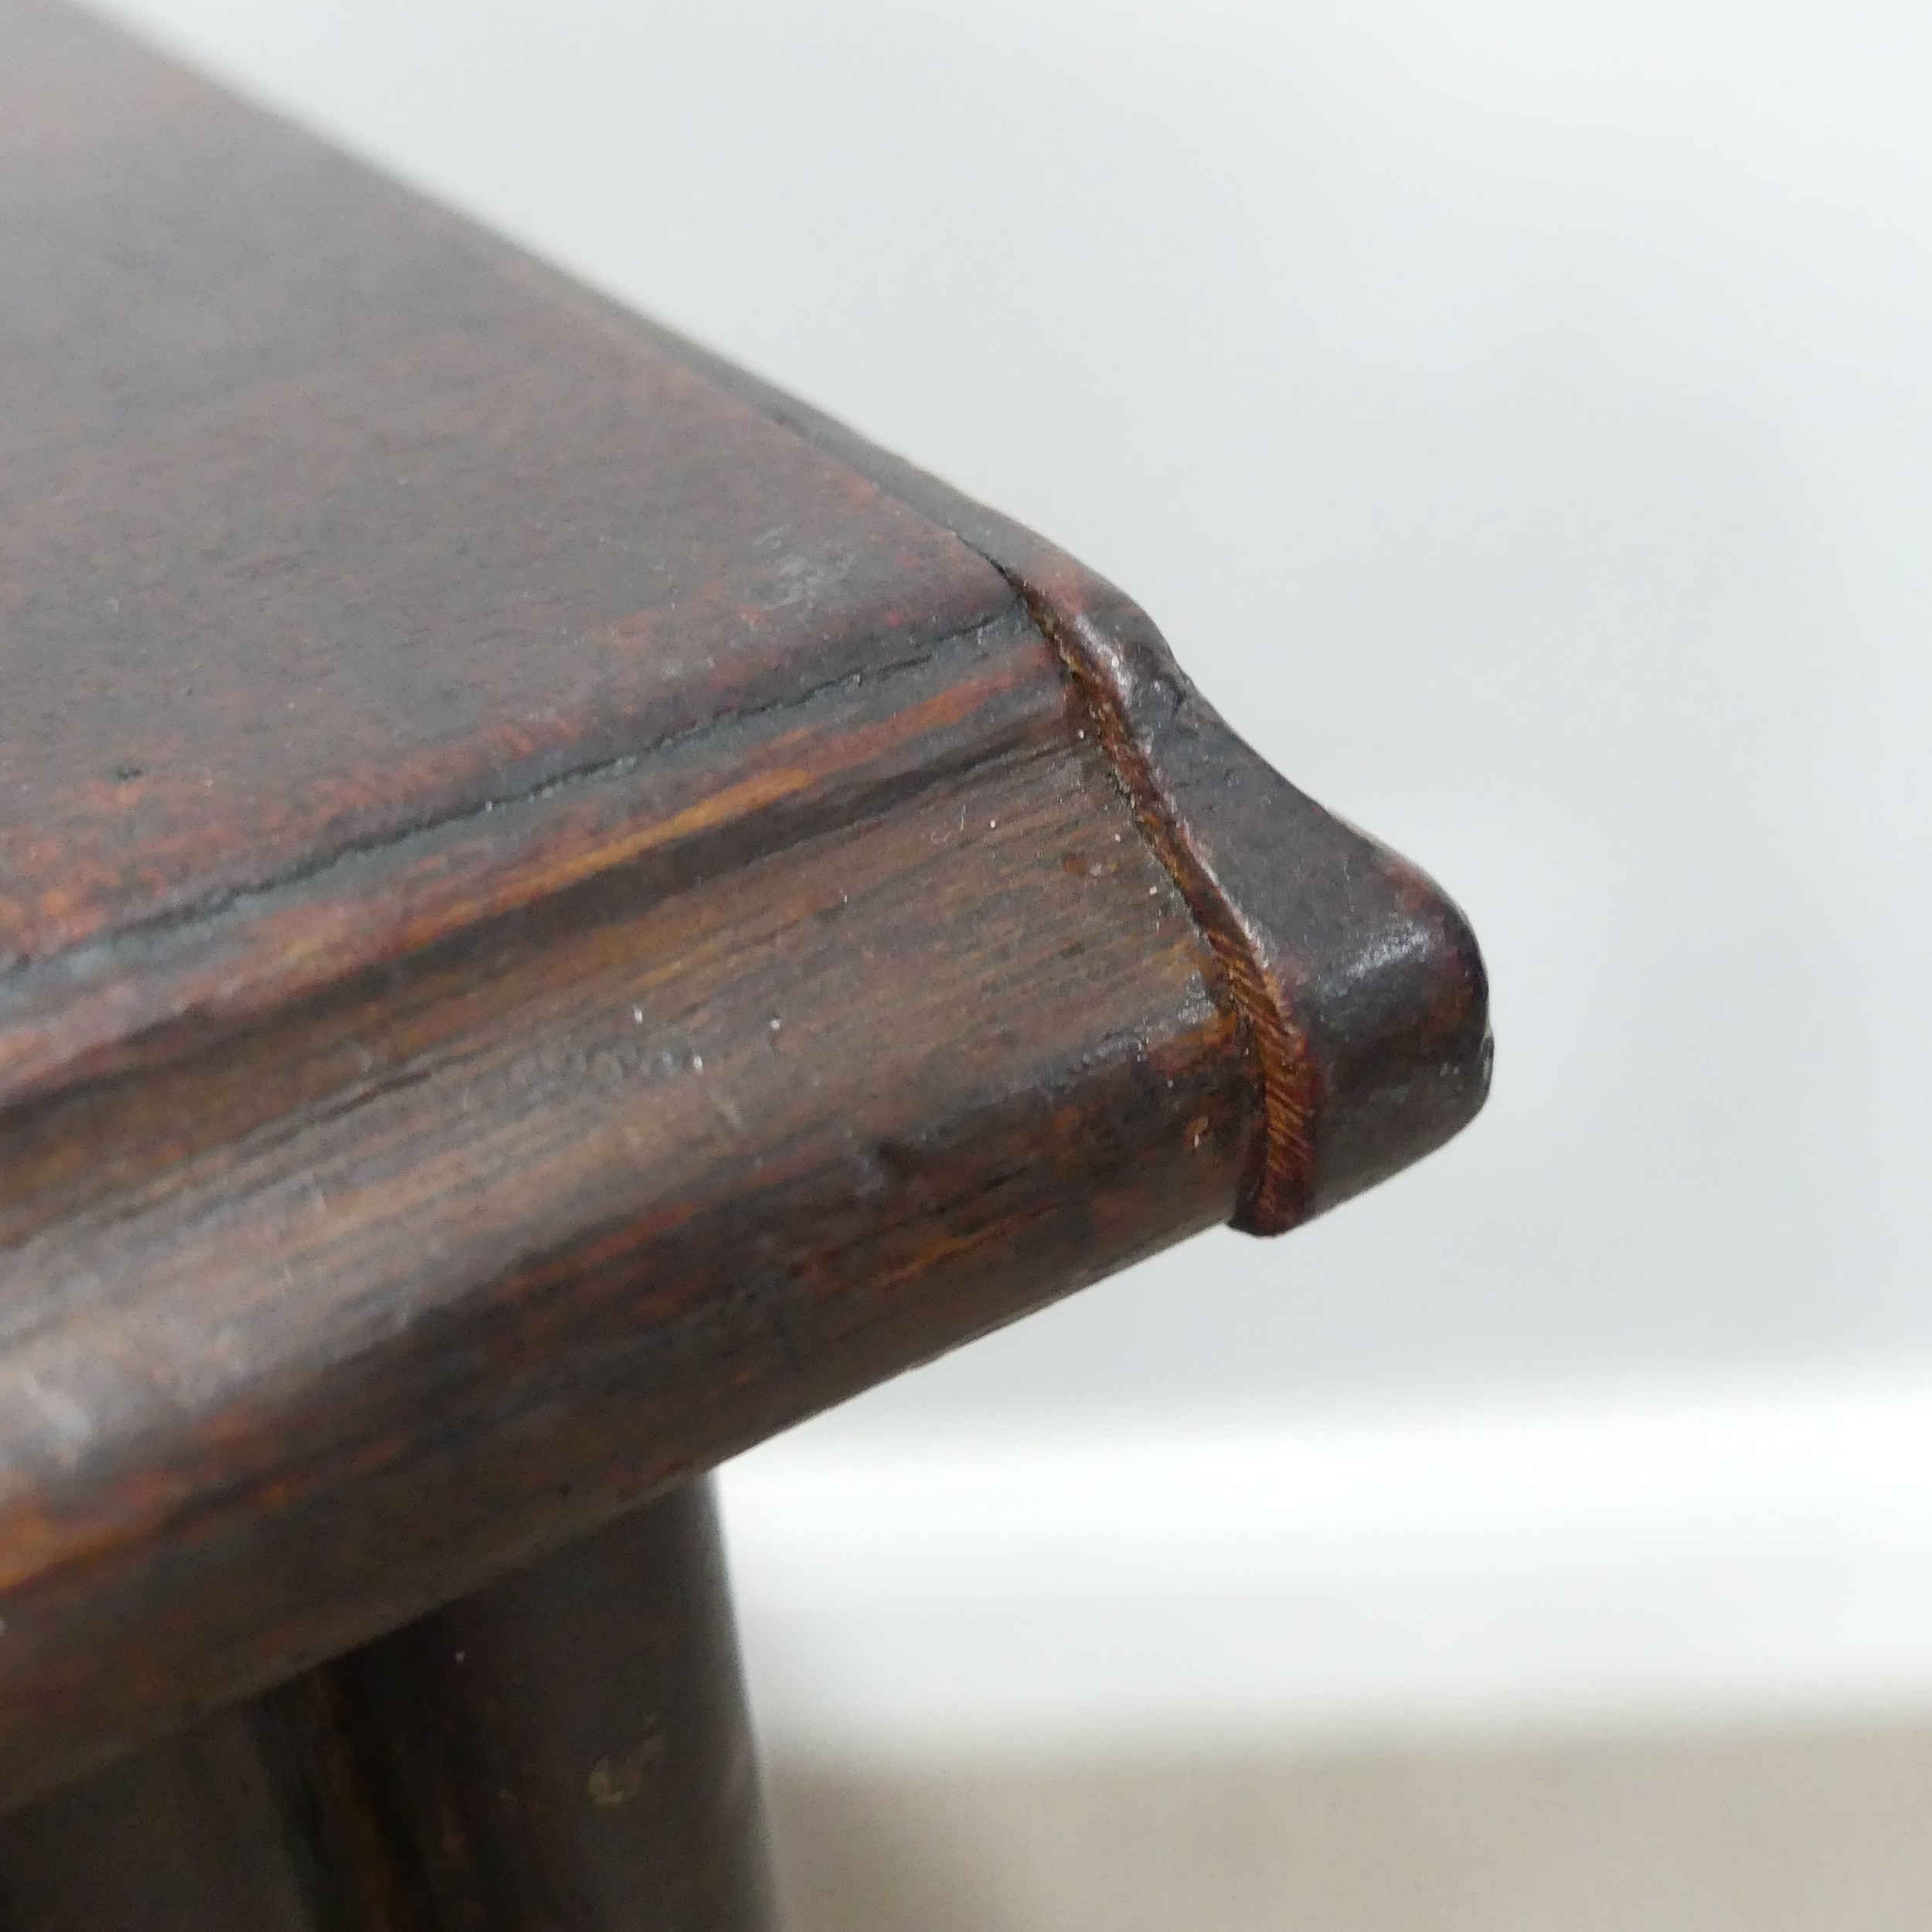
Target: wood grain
column 558, row 913
column 202, row 1835
column 566, row 1751
column 317, row 527
column 1359, row 980
column 569, row 1750
column 324, row 1324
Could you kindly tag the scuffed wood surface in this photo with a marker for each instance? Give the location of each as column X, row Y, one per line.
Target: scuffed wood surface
column 557, row 915
column 318, row 1327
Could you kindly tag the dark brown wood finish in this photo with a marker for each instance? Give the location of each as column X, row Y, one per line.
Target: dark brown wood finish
column 559, row 914
column 570, row 1750
column 566, row 1751
column 365, row 1303
column 320, row 528
column 202, row 1834
column 1360, row 981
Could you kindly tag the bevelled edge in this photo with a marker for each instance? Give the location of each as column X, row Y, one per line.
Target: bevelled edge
column 1359, row 981
column 801, row 768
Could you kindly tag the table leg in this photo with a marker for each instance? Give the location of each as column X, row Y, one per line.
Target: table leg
column 568, row 1751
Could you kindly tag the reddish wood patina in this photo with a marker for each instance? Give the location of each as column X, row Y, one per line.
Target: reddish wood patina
column 558, row 913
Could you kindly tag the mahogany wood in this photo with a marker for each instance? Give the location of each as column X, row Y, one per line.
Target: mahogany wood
column 569, row 1750
column 201, row 1834
column 558, row 913
column 566, row 1751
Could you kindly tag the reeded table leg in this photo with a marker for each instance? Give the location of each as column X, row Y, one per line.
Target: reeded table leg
column 568, row 1751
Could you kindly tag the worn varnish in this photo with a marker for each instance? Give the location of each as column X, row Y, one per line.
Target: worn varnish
column 558, row 914
column 439, row 1270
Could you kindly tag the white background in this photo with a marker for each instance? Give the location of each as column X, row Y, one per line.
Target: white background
column 1519, row 417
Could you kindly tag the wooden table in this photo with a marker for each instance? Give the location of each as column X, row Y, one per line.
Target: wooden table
column 559, row 914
